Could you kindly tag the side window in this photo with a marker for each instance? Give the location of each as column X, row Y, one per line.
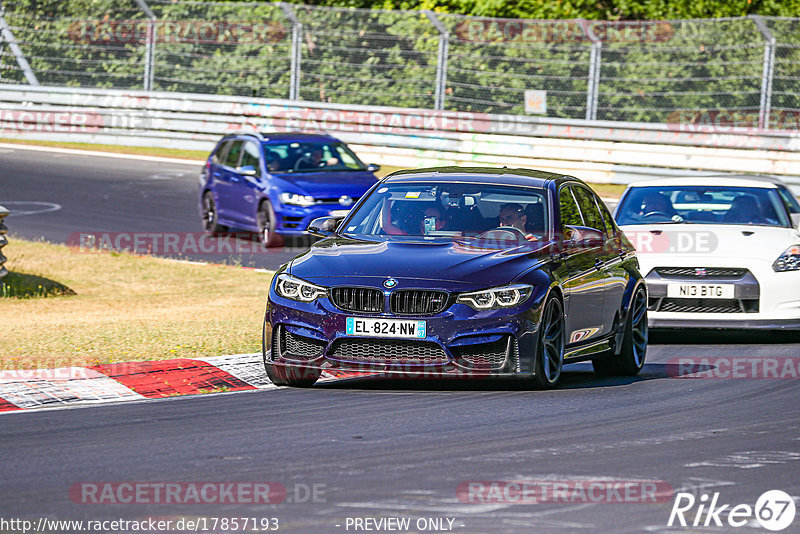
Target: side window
column 569, row 208
column 232, row 159
column 219, row 153
column 591, row 214
column 607, row 219
column 251, row 157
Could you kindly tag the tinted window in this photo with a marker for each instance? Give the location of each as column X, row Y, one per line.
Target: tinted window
column 789, row 199
column 232, row 158
column 569, row 209
column 589, row 209
column 250, row 157
column 608, row 220
column 219, row 153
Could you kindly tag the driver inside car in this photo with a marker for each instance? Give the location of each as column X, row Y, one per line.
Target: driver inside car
column 310, row 160
column 513, row 215
column 656, row 203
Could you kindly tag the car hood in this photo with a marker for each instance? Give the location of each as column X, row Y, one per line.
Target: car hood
column 710, row 244
column 331, row 184
column 445, row 264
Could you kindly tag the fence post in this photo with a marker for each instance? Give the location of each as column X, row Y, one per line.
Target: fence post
column 297, row 43
column 3, row 241
column 441, row 60
column 593, row 82
column 767, row 72
column 7, row 36
column 150, row 45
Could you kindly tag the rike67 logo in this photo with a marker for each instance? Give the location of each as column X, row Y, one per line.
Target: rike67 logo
column 774, row 510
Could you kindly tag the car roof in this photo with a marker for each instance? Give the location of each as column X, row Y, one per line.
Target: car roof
column 761, row 177
column 268, row 137
column 493, row 175
column 717, row 180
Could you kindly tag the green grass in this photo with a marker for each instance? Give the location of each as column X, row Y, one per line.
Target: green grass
column 104, row 308
column 21, row 285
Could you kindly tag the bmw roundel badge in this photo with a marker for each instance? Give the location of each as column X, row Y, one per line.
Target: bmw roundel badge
column 389, row 283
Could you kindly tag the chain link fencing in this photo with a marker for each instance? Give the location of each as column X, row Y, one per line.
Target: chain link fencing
column 737, row 71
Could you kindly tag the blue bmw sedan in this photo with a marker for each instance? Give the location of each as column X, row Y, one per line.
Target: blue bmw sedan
column 275, row 184
column 461, row 272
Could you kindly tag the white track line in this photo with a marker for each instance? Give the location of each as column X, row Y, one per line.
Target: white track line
column 77, row 152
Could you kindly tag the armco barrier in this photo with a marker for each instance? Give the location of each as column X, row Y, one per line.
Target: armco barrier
column 3, row 241
column 594, row 150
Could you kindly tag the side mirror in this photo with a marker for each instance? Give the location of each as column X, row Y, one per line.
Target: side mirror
column 584, row 236
column 246, row 170
column 373, row 167
column 324, row 226
column 796, row 220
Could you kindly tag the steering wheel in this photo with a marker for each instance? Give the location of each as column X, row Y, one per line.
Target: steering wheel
column 504, row 233
column 309, row 163
column 654, row 213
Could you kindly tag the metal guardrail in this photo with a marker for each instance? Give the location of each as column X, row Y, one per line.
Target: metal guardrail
column 595, row 150
column 627, row 70
column 3, row 241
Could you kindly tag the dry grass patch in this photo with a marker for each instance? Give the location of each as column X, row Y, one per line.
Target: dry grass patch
column 126, row 308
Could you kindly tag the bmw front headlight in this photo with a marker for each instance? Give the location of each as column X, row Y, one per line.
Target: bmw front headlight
column 297, row 199
column 497, row 297
column 293, row 288
column 788, row 261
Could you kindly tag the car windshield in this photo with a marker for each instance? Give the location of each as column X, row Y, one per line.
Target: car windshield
column 702, row 205
column 505, row 215
column 311, row 156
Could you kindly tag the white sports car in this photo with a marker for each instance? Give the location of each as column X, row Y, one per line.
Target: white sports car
column 717, row 252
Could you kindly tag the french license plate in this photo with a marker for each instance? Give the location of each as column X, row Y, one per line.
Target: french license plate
column 339, row 213
column 402, row 328
column 700, row 291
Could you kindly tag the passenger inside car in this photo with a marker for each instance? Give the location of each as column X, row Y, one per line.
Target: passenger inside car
column 745, row 209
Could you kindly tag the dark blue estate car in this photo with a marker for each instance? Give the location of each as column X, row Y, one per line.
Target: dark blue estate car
column 461, row 272
column 276, row 183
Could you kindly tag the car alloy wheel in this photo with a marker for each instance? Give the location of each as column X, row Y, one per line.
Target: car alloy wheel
column 266, row 226
column 210, row 223
column 551, row 344
column 634, row 342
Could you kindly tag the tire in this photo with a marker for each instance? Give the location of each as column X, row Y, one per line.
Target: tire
column 550, row 360
column 266, row 226
column 282, row 375
column 634, row 342
column 210, row 216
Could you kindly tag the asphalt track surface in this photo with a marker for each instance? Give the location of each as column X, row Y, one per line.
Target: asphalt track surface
column 379, row 448
column 57, row 196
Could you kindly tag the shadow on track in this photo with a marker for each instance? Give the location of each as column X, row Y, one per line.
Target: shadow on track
column 723, row 337
column 575, row 376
